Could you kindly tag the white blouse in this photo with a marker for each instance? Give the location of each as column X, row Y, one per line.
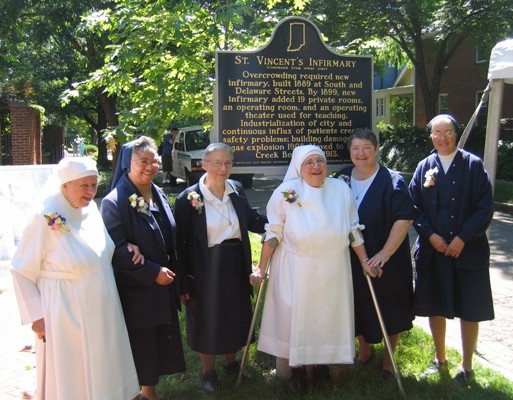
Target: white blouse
column 222, row 221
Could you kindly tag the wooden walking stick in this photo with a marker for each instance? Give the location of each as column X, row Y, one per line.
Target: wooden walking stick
column 385, row 335
column 252, row 327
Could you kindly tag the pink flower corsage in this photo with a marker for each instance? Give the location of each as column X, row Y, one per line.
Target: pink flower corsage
column 56, row 222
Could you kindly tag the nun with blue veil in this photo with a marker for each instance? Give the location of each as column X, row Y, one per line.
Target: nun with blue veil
column 308, row 312
column 137, row 211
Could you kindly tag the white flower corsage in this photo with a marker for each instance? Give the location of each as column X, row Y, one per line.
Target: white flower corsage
column 430, row 176
column 139, row 204
column 196, row 202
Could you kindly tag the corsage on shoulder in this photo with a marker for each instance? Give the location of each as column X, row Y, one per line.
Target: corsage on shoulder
column 56, row 222
column 291, row 196
column 430, row 176
column 196, row 202
column 139, row 204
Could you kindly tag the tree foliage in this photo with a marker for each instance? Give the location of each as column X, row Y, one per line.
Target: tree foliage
column 138, row 66
column 407, row 24
column 46, row 47
column 161, row 57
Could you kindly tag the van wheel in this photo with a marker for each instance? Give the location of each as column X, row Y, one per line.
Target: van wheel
column 189, row 181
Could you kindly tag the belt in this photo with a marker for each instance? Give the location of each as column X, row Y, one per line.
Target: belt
column 230, row 243
column 59, row 274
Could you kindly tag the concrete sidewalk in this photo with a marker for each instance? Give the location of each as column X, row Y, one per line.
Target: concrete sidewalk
column 495, row 348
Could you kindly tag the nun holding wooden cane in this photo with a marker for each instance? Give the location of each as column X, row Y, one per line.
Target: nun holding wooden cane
column 308, row 312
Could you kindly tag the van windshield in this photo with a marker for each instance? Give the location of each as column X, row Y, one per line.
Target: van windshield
column 196, row 140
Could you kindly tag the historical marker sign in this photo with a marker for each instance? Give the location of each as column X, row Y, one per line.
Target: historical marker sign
column 293, row 91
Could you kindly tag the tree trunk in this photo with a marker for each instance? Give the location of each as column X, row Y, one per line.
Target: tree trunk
column 107, row 118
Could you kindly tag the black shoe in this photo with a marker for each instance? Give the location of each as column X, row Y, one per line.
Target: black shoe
column 209, row 381
column 386, row 376
column 363, row 363
column 320, row 375
column 298, row 383
column 464, row 377
column 234, row 368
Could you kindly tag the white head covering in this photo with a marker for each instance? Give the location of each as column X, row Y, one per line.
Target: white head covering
column 299, row 155
column 72, row 168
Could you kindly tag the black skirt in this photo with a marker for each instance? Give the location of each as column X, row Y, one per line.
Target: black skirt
column 157, row 351
column 442, row 289
column 219, row 311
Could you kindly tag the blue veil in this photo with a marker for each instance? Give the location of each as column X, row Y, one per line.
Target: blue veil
column 123, row 163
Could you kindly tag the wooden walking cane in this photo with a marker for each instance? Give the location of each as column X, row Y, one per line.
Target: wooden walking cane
column 252, row 327
column 385, row 335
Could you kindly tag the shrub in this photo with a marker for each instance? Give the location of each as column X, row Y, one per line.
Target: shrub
column 403, row 146
column 92, row 151
column 505, row 161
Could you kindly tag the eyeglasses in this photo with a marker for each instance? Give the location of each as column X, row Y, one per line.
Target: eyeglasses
column 219, row 164
column 310, row 163
column 145, row 163
column 439, row 134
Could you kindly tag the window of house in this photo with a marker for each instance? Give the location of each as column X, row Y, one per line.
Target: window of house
column 443, row 105
column 483, row 53
column 380, row 107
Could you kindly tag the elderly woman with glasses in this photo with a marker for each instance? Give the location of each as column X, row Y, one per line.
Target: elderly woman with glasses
column 64, row 283
column 453, row 201
column 385, row 207
column 308, row 312
column 137, row 211
column 213, row 219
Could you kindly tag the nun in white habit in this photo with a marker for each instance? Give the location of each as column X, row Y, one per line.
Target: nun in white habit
column 308, row 312
column 65, row 287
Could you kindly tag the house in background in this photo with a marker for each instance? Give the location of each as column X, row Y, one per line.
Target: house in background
column 394, row 83
column 461, row 89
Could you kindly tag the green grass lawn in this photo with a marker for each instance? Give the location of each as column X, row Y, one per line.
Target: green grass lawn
column 414, row 353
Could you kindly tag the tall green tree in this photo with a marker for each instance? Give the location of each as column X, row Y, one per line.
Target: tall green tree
column 410, row 25
column 45, row 47
column 161, row 58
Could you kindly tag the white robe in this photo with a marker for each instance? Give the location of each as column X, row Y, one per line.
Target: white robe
column 308, row 313
column 66, row 278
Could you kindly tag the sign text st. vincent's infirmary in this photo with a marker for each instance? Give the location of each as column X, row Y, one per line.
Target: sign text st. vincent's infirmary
column 293, row 91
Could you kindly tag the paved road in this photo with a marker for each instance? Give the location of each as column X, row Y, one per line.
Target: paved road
column 495, row 348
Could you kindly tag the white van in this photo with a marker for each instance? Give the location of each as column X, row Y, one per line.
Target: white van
column 188, row 148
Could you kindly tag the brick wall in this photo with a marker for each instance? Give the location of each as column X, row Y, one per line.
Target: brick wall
column 25, row 134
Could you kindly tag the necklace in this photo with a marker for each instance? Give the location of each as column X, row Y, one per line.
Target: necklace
column 229, row 219
column 363, row 185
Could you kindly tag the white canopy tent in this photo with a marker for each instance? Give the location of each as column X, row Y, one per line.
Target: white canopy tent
column 500, row 72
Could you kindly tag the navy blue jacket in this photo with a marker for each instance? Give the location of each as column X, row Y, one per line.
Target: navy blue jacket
column 192, row 227
column 458, row 204
column 145, row 303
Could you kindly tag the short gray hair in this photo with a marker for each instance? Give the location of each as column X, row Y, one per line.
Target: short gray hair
column 144, row 143
column 215, row 147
